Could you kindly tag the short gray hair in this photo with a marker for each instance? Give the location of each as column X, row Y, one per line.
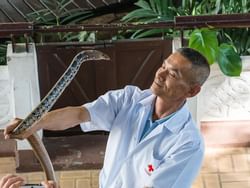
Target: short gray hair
column 200, row 65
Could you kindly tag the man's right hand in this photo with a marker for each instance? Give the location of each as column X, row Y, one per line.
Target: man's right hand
column 10, row 127
column 55, row 120
column 13, row 124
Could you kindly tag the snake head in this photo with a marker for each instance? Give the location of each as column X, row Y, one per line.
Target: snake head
column 88, row 55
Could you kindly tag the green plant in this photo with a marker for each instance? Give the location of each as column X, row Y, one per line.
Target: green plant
column 223, row 46
column 239, row 38
column 149, row 12
column 3, row 51
column 206, row 42
column 56, row 14
column 81, row 36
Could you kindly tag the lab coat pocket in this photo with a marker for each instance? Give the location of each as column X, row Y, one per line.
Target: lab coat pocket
column 152, row 166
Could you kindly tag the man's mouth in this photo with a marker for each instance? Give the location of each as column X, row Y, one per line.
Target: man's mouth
column 158, row 84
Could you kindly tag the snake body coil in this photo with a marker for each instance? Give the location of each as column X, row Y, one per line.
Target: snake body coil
column 46, row 104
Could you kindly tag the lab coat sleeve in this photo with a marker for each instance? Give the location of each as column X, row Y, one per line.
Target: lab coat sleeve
column 177, row 170
column 103, row 111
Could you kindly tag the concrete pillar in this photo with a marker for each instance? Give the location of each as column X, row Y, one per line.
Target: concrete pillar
column 23, row 82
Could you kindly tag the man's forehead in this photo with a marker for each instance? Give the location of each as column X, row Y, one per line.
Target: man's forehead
column 178, row 61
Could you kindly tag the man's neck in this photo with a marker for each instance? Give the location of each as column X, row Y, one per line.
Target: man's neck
column 164, row 108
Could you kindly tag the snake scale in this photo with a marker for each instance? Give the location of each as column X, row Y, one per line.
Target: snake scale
column 45, row 105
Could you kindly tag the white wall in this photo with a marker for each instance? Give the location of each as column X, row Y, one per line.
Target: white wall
column 6, row 97
column 22, row 81
column 225, row 98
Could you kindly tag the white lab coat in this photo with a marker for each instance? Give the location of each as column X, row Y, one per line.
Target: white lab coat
column 170, row 156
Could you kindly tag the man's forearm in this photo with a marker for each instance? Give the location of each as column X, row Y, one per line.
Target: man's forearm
column 64, row 118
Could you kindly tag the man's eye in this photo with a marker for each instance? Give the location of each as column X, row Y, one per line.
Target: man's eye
column 172, row 75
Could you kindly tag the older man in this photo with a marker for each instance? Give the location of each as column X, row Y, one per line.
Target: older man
column 153, row 141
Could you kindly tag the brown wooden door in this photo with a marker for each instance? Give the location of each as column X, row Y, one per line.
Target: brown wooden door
column 132, row 62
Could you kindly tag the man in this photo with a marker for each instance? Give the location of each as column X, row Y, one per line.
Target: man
column 153, row 141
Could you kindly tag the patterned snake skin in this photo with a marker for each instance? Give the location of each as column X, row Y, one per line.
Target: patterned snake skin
column 46, row 104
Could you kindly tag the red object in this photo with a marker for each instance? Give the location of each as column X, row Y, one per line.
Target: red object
column 150, row 168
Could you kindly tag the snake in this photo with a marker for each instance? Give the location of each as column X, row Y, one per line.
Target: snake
column 46, row 104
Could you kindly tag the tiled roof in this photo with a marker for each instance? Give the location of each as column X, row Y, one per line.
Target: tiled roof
column 17, row 10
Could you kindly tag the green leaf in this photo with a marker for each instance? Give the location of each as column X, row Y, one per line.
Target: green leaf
column 49, row 3
column 63, row 5
column 76, row 17
column 229, row 61
column 205, row 41
column 153, row 5
column 168, row 7
column 140, row 13
column 143, row 4
column 71, row 37
column 217, row 7
column 164, row 5
column 244, row 6
column 158, row 6
column 3, row 51
column 151, row 32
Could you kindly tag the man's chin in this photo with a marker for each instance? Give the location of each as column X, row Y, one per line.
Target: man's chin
column 154, row 89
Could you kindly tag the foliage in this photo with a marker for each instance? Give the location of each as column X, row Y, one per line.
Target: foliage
column 239, row 38
column 223, row 46
column 3, row 51
column 56, row 13
column 205, row 41
column 150, row 12
column 81, row 36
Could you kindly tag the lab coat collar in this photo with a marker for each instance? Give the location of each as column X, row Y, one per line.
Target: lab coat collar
column 149, row 99
column 174, row 124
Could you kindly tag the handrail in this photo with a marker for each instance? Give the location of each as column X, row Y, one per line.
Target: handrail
column 180, row 22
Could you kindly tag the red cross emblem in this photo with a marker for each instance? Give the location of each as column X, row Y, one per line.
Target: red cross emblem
column 150, row 168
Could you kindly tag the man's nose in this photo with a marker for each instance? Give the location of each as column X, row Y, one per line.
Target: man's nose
column 162, row 74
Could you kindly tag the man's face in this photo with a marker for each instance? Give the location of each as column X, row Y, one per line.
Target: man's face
column 172, row 78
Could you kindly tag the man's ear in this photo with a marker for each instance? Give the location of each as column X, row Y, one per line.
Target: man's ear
column 194, row 90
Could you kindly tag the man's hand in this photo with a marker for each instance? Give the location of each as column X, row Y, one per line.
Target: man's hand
column 49, row 184
column 12, row 181
column 13, row 124
column 10, row 127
